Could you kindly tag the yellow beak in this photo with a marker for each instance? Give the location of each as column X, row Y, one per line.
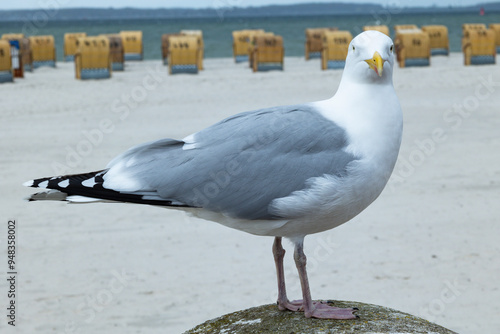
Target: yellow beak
column 376, row 63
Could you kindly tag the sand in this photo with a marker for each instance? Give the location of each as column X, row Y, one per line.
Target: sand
column 428, row 246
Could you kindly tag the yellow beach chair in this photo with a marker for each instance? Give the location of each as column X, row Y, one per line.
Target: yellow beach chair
column 242, row 44
column 20, row 52
column 116, row 51
column 165, row 46
column 438, row 39
column 496, row 28
column 314, row 41
column 253, row 44
column 70, row 47
column 201, row 46
column 413, row 48
column 184, row 54
column 335, row 48
column 44, row 50
column 268, row 53
column 93, row 58
column 6, row 73
column 478, row 46
column 132, row 44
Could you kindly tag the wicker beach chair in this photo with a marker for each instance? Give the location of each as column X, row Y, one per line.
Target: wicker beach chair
column 132, row 44
column 268, row 53
column 335, row 48
column 70, row 47
column 6, row 74
column 93, row 58
column 242, row 43
column 412, row 48
column 184, row 54
column 314, row 41
column 438, row 39
column 44, row 50
column 478, row 46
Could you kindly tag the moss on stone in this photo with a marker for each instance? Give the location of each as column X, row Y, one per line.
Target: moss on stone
column 268, row 319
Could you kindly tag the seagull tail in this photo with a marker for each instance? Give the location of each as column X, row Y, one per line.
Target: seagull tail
column 66, row 187
column 88, row 187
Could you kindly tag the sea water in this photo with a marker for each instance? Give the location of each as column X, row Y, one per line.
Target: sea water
column 217, row 31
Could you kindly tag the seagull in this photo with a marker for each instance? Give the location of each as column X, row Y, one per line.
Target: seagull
column 284, row 172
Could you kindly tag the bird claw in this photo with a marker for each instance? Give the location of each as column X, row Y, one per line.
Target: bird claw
column 294, row 306
column 325, row 311
column 320, row 310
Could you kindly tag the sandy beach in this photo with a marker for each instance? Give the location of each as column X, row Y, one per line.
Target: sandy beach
column 428, row 246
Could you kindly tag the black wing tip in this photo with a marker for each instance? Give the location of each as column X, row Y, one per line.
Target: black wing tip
column 74, row 187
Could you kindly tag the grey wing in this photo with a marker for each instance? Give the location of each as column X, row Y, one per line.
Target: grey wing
column 239, row 165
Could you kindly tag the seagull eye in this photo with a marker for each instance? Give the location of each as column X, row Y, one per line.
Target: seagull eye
column 353, row 48
column 392, row 48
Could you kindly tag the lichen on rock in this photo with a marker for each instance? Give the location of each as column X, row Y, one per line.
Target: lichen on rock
column 372, row 319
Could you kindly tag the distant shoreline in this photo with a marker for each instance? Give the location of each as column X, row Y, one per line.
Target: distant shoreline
column 221, row 12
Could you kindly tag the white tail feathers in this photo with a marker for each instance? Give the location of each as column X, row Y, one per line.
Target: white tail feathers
column 49, row 195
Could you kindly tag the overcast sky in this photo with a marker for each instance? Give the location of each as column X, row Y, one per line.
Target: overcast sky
column 37, row 4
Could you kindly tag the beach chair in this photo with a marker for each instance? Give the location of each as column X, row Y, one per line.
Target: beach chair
column 241, row 44
column 335, row 48
column 20, row 51
column 165, row 46
column 478, row 47
column 382, row 28
column 93, row 58
column 314, row 41
column 16, row 58
column 413, row 48
column 268, row 53
column 438, row 39
column 496, row 28
column 44, row 51
column 199, row 35
column 132, row 44
column 70, row 47
column 6, row 74
column 184, row 54
column 116, row 51
column 252, row 37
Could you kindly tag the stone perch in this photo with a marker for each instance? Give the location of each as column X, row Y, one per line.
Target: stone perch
column 372, row 319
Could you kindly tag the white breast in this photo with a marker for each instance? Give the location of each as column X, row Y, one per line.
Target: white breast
column 374, row 134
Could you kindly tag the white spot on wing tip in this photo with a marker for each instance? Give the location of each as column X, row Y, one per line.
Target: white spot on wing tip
column 43, row 184
column 89, row 183
column 28, row 183
column 63, row 184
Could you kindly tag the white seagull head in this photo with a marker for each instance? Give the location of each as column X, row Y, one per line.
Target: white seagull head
column 370, row 58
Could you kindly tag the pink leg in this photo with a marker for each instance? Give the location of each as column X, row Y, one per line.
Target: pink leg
column 310, row 308
column 283, row 302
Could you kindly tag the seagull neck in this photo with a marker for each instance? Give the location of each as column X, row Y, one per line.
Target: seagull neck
column 349, row 83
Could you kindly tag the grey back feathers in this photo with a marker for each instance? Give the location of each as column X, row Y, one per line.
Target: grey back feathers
column 240, row 165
